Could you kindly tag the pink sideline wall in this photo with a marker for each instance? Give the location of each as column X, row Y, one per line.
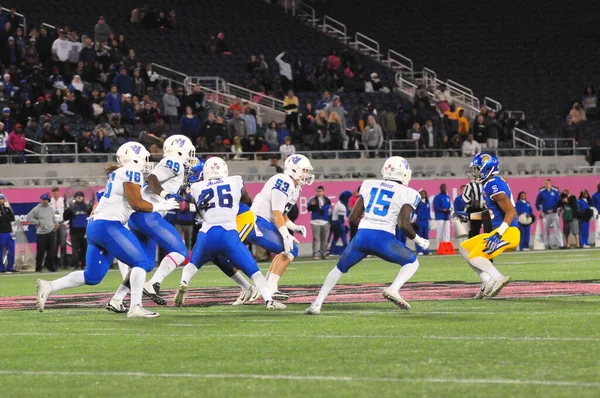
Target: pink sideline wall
column 531, row 185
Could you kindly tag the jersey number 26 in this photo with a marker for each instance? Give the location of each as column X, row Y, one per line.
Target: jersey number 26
column 223, row 193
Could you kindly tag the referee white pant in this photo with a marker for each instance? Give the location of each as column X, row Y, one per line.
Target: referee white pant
column 442, row 231
column 551, row 221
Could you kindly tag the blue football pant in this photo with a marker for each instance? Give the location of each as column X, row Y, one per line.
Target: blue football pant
column 271, row 240
column 7, row 243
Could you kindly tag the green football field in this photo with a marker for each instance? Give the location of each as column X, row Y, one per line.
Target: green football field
column 539, row 337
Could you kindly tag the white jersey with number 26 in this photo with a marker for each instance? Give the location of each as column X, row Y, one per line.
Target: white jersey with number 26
column 279, row 193
column 383, row 200
column 223, row 196
column 114, row 205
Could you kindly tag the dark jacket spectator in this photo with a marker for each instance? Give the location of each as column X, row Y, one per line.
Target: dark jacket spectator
column 236, row 127
column 189, row 124
column 149, row 115
column 123, row 82
column 480, row 130
column 112, row 103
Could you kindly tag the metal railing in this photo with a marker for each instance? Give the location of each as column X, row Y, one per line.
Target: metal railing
column 398, row 62
column 22, row 24
column 552, row 146
column 492, row 104
column 306, row 13
column 366, row 45
column 256, row 97
column 212, row 83
column 523, row 138
column 334, row 28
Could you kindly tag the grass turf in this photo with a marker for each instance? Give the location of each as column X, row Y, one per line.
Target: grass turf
column 545, row 346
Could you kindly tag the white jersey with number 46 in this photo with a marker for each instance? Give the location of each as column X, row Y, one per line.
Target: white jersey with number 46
column 170, row 173
column 383, row 200
column 114, row 205
column 279, row 193
column 223, row 198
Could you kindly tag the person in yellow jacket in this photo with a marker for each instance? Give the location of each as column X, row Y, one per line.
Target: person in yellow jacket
column 290, row 106
column 463, row 124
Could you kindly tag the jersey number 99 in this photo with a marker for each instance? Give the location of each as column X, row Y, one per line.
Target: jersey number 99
column 175, row 166
column 381, row 206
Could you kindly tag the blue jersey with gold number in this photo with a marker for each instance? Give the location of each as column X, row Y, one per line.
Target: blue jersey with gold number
column 492, row 187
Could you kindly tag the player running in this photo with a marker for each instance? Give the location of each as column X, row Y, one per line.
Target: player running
column 107, row 236
column 479, row 250
column 390, row 202
column 219, row 196
column 163, row 184
column 271, row 206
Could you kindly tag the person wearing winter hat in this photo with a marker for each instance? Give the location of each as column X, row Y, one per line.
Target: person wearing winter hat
column 42, row 216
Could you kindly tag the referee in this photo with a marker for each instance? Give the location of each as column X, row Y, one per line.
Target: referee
column 473, row 197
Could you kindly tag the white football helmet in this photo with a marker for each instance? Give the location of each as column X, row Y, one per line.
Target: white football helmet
column 215, row 168
column 180, row 147
column 133, row 155
column 396, row 168
column 298, row 167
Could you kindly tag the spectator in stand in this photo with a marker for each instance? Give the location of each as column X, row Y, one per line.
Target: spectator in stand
column 149, row 115
column 17, row 143
column 376, row 83
column 373, row 138
column 11, row 55
column 252, row 65
column 27, row 112
column 493, row 130
column 196, row 100
column 85, row 143
column 388, row 123
column 209, row 129
column 569, row 210
column 336, row 136
column 463, row 123
column 174, row 22
column 271, row 136
column 255, row 86
column 112, row 106
column 333, row 62
column 170, row 104
column 60, row 51
column 470, row 147
column 189, row 124
column 442, row 98
column 182, row 101
column 220, row 146
column 3, row 144
column 78, row 85
column 336, row 107
column 285, row 71
column 202, row 146
column 578, row 113
column 525, row 218
column 290, row 106
column 101, row 142
column 593, row 155
column 427, row 139
column 351, row 143
column 138, row 84
column 101, row 30
column 326, row 83
column 237, row 148
column 570, row 130
column 68, row 108
column 123, row 82
column 250, row 120
column 43, row 45
column 324, row 102
column 546, row 203
column 236, row 127
column 590, row 102
column 222, row 47
column 236, row 105
column 320, row 208
column 585, row 215
column 252, row 145
column 287, row 148
column 282, row 133
column 306, row 118
column 127, row 110
column 480, row 129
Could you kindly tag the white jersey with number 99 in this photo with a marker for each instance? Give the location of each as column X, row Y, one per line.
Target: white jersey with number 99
column 383, row 201
column 114, row 205
column 222, row 200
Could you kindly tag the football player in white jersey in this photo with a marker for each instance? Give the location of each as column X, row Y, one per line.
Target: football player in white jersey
column 271, row 206
column 107, row 236
column 387, row 204
column 219, row 196
column 163, row 184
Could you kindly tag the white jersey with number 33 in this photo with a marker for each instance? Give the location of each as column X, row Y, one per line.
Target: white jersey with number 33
column 223, row 196
column 279, row 193
column 383, row 200
column 114, row 205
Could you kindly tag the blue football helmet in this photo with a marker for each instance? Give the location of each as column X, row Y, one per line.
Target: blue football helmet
column 195, row 172
column 483, row 166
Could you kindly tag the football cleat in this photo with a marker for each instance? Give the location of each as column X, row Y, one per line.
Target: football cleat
column 484, row 289
column 151, row 291
column 498, row 286
column 277, row 295
column 180, row 296
column 43, row 292
column 116, row 306
column 275, row 305
column 313, row 310
column 137, row 311
column 244, row 296
column 255, row 296
column 394, row 297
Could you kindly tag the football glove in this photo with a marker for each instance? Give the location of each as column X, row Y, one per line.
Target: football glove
column 422, row 243
column 175, row 196
column 492, row 242
column 461, row 216
column 170, row 204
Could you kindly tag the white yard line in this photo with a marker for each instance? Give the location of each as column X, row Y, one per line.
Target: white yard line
column 98, row 375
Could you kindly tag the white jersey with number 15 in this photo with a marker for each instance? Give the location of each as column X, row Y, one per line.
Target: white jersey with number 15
column 383, row 200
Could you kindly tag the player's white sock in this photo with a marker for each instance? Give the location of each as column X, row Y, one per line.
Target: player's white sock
column 273, row 282
column 332, row 279
column 167, row 265
column 137, row 279
column 121, row 293
column 261, row 284
column 241, row 281
column 484, row 276
column 406, row 272
column 124, row 268
column 188, row 273
column 486, row 266
column 74, row 279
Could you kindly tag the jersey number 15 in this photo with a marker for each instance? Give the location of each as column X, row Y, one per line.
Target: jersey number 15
column 381, row 206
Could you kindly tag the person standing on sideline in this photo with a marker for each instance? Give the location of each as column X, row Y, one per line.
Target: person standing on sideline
column 442, row 208
column 42, row 216
column 546, row 203
column 585, row 215
column 525, row 218
column 58, row 205
column 77, row 214
column 351, row 202
column 596, row 199
column 320, row 209
column 338, row 228
column 7, row 240
column 423, row 212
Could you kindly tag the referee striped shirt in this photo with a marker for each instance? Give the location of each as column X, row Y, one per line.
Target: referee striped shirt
column 473, row 195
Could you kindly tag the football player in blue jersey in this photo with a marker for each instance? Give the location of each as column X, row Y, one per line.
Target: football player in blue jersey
column 479, row 250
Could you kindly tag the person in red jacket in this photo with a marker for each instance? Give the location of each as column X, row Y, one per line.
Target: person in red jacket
column 16, row 143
